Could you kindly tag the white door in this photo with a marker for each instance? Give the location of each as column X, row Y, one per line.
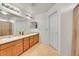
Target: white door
column 53, row 30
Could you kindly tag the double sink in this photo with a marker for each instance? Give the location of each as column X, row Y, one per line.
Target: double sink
column 9, row 38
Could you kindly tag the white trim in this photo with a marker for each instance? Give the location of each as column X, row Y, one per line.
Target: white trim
column 59, row 17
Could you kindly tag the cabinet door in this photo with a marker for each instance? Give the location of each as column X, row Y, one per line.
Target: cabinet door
column 31, row 41
column 17, row 49
column 36, row 38
column 26, row 43
column 6, row 52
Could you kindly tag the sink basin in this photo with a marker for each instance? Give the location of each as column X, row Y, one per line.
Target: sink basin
column 10, row 36
column 7, row 38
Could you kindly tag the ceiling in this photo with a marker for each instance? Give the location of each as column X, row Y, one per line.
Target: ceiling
column 28, row 9
column 33, row 8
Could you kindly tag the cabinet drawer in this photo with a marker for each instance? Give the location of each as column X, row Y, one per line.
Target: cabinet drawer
column 31, row 37
column 6, row 45
column 31, row 41
column 26, row 43
column 17, row 49
column 36, row 38
column 6, row 52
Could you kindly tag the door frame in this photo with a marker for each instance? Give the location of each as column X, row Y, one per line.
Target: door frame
column 59, row 28
column 74, row 32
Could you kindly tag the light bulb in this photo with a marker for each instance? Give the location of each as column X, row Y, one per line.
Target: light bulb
column 3, row 12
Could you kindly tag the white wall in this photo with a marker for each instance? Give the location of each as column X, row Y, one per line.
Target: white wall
column 65, row 17
column 65, row 11
column 66, row 32
column 42, row 27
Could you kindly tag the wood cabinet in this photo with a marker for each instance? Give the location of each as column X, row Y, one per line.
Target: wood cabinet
column 17, row 47
column 12, row 49
column 26, row 43
column 9, row 44
column 36, row 38
column 6, row 52
column 31, row 41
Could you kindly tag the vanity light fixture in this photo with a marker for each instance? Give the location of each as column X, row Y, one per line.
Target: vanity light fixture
column 4, row 13
column 10, row 7
column 28, row 16
column 3, row 20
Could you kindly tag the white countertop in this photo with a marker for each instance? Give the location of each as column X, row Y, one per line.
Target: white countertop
column 10, row 38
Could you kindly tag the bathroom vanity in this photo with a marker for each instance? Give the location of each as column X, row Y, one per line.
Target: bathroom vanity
column 16, row 45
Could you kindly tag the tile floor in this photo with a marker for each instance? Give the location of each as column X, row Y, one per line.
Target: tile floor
column 40, row 50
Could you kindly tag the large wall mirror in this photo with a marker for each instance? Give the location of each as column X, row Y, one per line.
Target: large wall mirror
column 5, row 28
column 34, row 25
